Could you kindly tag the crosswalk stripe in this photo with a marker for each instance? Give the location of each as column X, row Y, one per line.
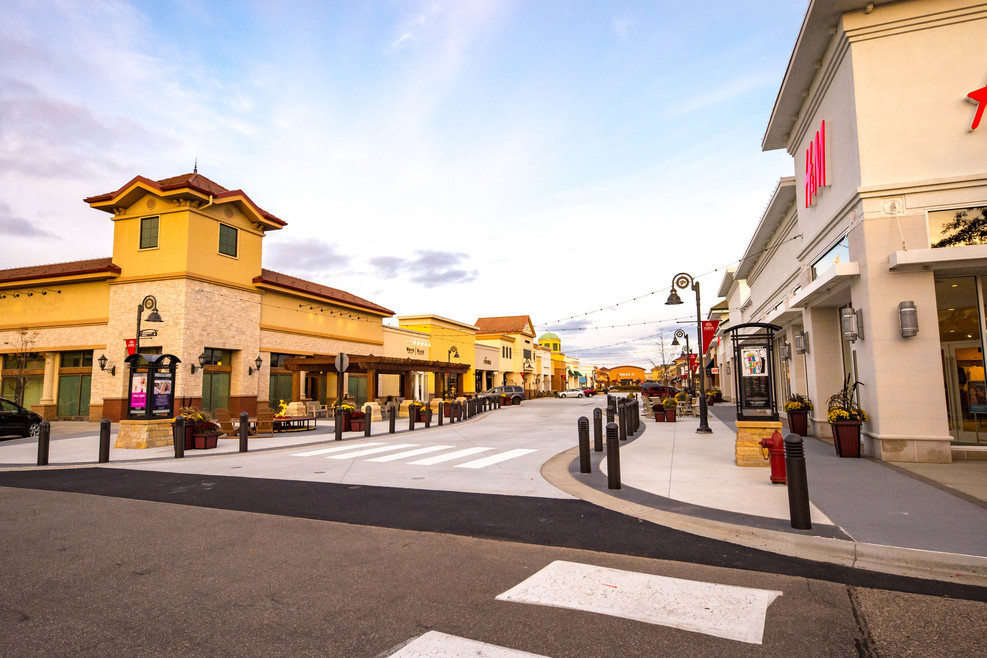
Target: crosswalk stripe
column 434, row 643
column 323, row 451
column 372, row 451
column 735, row 613
column 496, row 459
column 408, row 453
column 449, row 456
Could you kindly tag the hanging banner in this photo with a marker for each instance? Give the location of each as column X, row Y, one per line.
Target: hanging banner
column 693, row 362
column 709, row 330
column 131, row 345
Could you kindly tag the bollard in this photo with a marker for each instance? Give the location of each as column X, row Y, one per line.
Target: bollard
column 636, row 407
column 179, row 438
column 583, row 428
column 597, row 430
column 412, row 412
column 338, row 423
column 104, row 441
column 392, row 417
column 609, row 415
column 368, row 416
column 452, row 413
column 244, row 430
column 427, row 411
column 798, row 486
column 442, row 412
column 622, row 421
column 613, row 457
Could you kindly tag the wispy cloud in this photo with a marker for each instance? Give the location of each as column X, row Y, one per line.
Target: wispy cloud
column 428, row 268
column 19, row 227
column 622, row 26
column 723, row 93
column 306, row 256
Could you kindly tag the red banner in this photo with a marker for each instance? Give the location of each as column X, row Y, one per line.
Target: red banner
column 692, row 362
column 131, row 345
column 709, row 330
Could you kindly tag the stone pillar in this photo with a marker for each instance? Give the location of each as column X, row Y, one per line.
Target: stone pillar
column 747, row 449
column 48, row 405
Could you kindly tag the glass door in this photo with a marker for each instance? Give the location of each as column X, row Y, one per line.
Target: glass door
column 966, row 391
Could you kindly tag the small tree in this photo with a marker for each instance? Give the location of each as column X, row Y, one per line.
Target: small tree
column 17, row 361
column 663, row 356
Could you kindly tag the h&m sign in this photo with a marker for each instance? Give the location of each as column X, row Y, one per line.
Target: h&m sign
column 816, row 167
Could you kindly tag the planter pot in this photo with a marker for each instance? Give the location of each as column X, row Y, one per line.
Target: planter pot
column 846, row 437
column 659, row 413
column 670, row 415
column 189, row 441
column 346, row 421
column 358, row 425
column 798, row 422
column 206, row 440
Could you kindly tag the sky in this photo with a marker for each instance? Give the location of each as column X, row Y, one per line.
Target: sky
column 467, row 158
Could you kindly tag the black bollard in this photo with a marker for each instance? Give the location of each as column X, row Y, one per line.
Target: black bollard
column 452, row 413
column 179, row 439
column 412, row 412
column 392, row 418
column 622, row 420
column 104, row 441
column 798, row 486
column 442, row 412
column 598, row 430
column 613, row 457
column 368, row 416
column 583, row 428
column 427, row 410
column 244, row 430
column 610, row 414
column 338, row 423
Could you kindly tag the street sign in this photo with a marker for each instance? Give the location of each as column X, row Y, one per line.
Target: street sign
column 342, row 362
column 148, row 333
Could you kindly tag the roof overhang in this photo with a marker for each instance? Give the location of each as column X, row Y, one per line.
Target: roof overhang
column 382, row 365
column 813, row 39
column 138, row 186
column 778, row 208
column 832, row 288
column 727, row 281
column 969, row 259
column 783, row 315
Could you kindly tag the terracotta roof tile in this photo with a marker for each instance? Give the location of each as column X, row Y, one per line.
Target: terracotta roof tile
column 59, row 269
column 504, row 324
column 331, row 294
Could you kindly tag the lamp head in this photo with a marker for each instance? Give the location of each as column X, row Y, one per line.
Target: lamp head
column 673, row 298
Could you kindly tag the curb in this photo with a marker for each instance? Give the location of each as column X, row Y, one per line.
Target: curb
column 911, row 562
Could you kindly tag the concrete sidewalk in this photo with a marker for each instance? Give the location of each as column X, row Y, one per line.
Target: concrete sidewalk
column 865, row 513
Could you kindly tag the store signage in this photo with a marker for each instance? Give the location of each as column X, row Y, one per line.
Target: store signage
column 980, row 97
column 131, row 345
column 815, row 165
column 709, row 330
column 416, row 351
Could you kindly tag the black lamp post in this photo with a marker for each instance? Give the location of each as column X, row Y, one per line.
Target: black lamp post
column 679, row 333
column 151, row 304
column 683, row 281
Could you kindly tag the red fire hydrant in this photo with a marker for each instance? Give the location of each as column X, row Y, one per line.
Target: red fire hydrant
column 776, row 450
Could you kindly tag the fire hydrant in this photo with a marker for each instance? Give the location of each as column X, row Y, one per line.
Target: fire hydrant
column 776, row 451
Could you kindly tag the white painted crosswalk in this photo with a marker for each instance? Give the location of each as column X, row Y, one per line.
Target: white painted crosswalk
column 406, row 452
column 441, row 645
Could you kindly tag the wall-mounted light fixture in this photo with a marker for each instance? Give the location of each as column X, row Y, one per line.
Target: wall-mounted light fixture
column 852, row 322
column 102, row 360
column 801, row 342
column 908, row 318
column 258, row 363
column 202, row 362
column 785, row 351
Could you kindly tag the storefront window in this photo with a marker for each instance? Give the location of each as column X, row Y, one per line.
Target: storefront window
column 962, row 357
column 958, row 227
column 838, row 253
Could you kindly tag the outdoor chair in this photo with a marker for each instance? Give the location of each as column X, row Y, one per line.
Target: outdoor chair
column 317, row 409
column 225, row 423
column 265, row 422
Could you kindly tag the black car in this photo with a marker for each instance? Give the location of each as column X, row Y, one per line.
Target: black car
column 16, row 420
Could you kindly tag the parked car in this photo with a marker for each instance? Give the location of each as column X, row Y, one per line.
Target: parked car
column 516, row 393
column 16, row 420
column 655, row 389
column 572, row 393
column 589, row 391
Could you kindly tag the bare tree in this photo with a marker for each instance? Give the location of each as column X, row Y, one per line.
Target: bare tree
column 663, row 356
column 17, row 361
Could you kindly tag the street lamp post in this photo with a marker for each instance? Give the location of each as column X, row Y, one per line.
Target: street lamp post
column 679, row 333
column 151, row 304
column 683, row 281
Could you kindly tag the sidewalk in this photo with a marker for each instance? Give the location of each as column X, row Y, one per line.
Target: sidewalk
column 865, row 513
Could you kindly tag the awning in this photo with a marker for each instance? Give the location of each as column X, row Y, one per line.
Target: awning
column 382, row 365
column 709, row 364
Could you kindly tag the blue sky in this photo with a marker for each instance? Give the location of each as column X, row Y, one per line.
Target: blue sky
column 462, row 158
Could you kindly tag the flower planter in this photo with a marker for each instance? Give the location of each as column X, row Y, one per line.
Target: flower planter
column 659, row 413
column 206, row 440
column 358, row 424
column 346, row 421
column 798, row 422
column 846, row 437
column 670, row 415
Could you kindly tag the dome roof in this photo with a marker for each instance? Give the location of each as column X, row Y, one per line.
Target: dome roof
column 547, row 336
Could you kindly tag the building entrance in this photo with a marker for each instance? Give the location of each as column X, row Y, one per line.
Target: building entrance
column 960, row 302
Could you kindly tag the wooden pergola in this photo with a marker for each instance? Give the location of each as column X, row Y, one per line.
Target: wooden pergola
column 373, row 366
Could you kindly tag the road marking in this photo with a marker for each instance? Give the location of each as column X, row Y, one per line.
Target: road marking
column 449, row 456
column 735, row 613
column 372, row 451
column 323, row 451
column 409, row 453
column 434, row 644
column 496, row 459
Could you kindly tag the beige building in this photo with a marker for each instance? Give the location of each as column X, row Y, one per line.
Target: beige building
column 872, row 258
